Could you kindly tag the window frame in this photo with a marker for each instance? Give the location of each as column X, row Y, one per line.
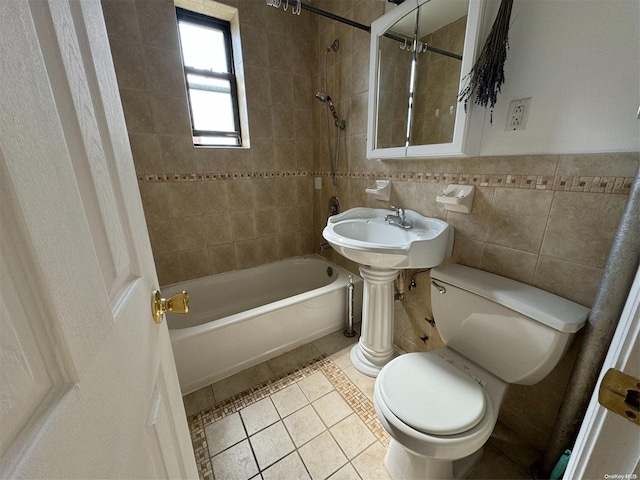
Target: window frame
column 230, row 76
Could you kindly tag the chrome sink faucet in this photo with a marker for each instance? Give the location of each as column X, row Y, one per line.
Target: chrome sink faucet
column 398, row 219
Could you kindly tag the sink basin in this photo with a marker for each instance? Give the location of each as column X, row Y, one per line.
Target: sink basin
column 382, row 250
column 362, row 235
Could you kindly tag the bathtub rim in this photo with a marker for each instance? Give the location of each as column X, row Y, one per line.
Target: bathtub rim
column 342, row 277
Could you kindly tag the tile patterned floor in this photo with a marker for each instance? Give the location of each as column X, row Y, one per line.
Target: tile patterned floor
column 311, row 422
column 315, row 421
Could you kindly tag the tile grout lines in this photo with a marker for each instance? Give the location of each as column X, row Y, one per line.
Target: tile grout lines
column 567, row 183
column 357, row 401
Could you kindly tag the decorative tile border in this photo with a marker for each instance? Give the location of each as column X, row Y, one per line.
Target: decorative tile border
column 358, row 401
column 616, row 185
column 207, row 177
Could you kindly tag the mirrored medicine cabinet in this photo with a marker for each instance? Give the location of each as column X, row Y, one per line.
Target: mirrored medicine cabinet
column 420, row 53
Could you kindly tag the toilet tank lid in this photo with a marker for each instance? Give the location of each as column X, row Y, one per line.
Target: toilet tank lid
column 554, row 311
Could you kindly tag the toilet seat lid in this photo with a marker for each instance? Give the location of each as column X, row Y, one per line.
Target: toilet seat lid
column 430, row 395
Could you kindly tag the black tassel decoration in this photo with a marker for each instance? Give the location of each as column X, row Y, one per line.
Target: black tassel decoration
column 487, row 75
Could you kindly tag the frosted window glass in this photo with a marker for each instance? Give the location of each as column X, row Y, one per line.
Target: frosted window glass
column 203, row 48
column 211, row 103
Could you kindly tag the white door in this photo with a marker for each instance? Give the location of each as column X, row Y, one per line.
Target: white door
column 88, row 386
column 608, row 445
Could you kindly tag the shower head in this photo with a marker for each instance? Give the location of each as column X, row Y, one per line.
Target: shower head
column 334, row 46
column 323, row 97
column 326, row 99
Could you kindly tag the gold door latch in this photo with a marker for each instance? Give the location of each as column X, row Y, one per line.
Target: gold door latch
column 620, row 393
column 178, row 303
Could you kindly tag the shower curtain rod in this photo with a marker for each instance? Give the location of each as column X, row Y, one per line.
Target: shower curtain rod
column 429, row 48
column 366, row 28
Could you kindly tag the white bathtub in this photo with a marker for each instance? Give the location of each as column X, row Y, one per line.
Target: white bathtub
column 242, row 318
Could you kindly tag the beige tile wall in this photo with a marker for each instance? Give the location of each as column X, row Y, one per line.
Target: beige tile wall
column 554, row 239
column 545, row 220
column 236, row 208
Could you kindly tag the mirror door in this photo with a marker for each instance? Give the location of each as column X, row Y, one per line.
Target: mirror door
column 395, row 86
column 438, row 71
column 420, row 53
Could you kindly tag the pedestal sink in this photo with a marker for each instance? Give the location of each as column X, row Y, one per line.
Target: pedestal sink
column 363, row 235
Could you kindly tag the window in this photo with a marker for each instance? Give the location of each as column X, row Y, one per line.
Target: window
column 207, row 58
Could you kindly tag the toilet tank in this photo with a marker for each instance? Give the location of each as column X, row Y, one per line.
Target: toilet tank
column 516, row 331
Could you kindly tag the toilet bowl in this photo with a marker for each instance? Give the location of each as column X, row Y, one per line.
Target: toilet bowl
column 438, row 436
column 440, row 407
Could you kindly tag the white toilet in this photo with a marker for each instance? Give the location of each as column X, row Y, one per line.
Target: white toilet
column 440, row 407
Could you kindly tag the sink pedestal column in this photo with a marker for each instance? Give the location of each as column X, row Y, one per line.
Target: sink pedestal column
column 375, row 347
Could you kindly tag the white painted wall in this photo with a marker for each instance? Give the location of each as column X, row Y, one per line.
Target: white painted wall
column 579, row 60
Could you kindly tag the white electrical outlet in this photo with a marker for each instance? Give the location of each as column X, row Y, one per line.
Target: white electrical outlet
column 518, row 113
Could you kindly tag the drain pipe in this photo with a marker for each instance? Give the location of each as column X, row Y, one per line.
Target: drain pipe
column 618, row 276
column 349, row 331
